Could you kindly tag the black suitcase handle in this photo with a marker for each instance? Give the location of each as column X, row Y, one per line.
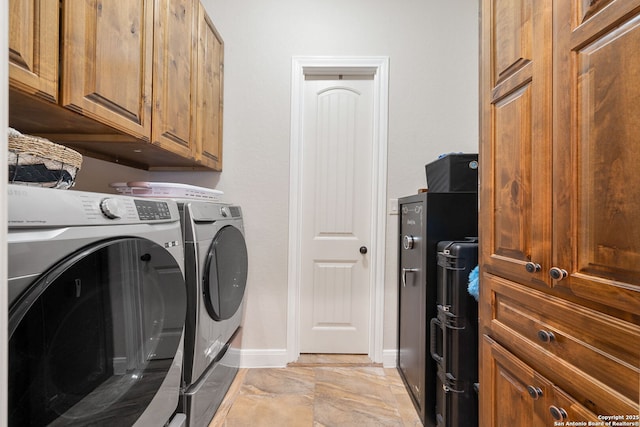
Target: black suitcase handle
column 433, row 342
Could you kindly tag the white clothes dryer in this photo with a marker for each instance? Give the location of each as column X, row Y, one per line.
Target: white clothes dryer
column 216, row 265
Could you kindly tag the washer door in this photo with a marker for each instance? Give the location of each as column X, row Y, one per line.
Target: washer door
column 225, row 275
column 95, row 339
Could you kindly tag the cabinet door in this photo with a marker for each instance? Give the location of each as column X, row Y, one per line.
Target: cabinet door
column 511, row 394
column 174, row 78
column 106, row 64
column 597, row 193
column 33, row 47
column 515, row 149
column 209, row 93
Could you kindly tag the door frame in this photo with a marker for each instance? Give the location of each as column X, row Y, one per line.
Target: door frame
column 378, row 67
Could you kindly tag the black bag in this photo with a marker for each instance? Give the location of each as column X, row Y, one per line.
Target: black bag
column 453, row 173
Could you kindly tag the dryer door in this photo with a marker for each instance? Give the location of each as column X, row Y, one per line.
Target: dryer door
column 97, row 339
column 225, row 275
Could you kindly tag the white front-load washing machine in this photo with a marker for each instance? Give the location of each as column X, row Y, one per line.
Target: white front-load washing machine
column 97, row 303
column 216, row 275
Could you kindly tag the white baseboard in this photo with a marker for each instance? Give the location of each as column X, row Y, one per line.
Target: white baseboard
column 389, row 358
column 263, row 358
column 278, row 358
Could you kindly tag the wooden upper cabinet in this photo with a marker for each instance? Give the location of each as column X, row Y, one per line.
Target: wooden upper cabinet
column 597, row 139
column 174, row 87
column 515, row 149
column 33, row 47
column 209, row 93
column 144, row 76
column 107, row 62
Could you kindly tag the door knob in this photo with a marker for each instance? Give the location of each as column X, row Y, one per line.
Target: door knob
column 363, row 250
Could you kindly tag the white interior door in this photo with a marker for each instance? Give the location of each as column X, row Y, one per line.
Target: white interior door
column 336, row 187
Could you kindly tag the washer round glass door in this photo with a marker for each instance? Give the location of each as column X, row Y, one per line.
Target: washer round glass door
column 225, row 275
column 92, row 340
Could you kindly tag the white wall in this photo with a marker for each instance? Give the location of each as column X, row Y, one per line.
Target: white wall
column 433, row 108
column 96, row 175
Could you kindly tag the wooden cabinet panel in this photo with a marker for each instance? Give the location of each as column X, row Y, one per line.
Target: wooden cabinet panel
column 512, row 44
column 209, row 93
column 597, row 238
column 173, row 81
column 512, row 185
column 33, row 47
column 609, row 183
column 516, row 138
column 107, row 75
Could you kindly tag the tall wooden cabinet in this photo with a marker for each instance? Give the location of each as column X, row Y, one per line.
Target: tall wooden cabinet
column 559, row 211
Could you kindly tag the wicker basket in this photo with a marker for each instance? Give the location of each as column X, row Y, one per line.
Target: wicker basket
column 40, row 162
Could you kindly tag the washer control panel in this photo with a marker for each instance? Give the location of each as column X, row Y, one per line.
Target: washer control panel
column 46, row 207
column 152, row 209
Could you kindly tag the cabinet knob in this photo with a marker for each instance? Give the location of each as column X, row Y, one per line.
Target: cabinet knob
column 558, row 414
column 534, row 392
column 363, row 250
column 557, row 273
column 532, row 267
column 546, row 336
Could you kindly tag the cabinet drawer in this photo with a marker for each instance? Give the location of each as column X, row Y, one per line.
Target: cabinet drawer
column 592, row 355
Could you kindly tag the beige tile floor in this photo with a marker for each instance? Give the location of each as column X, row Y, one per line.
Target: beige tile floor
column 318, row 391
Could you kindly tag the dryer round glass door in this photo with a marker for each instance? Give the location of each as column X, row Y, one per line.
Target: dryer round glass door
column 225, row 275
column 92, row 340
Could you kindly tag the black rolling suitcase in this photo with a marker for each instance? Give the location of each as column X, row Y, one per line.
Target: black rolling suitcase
column 454, row 336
